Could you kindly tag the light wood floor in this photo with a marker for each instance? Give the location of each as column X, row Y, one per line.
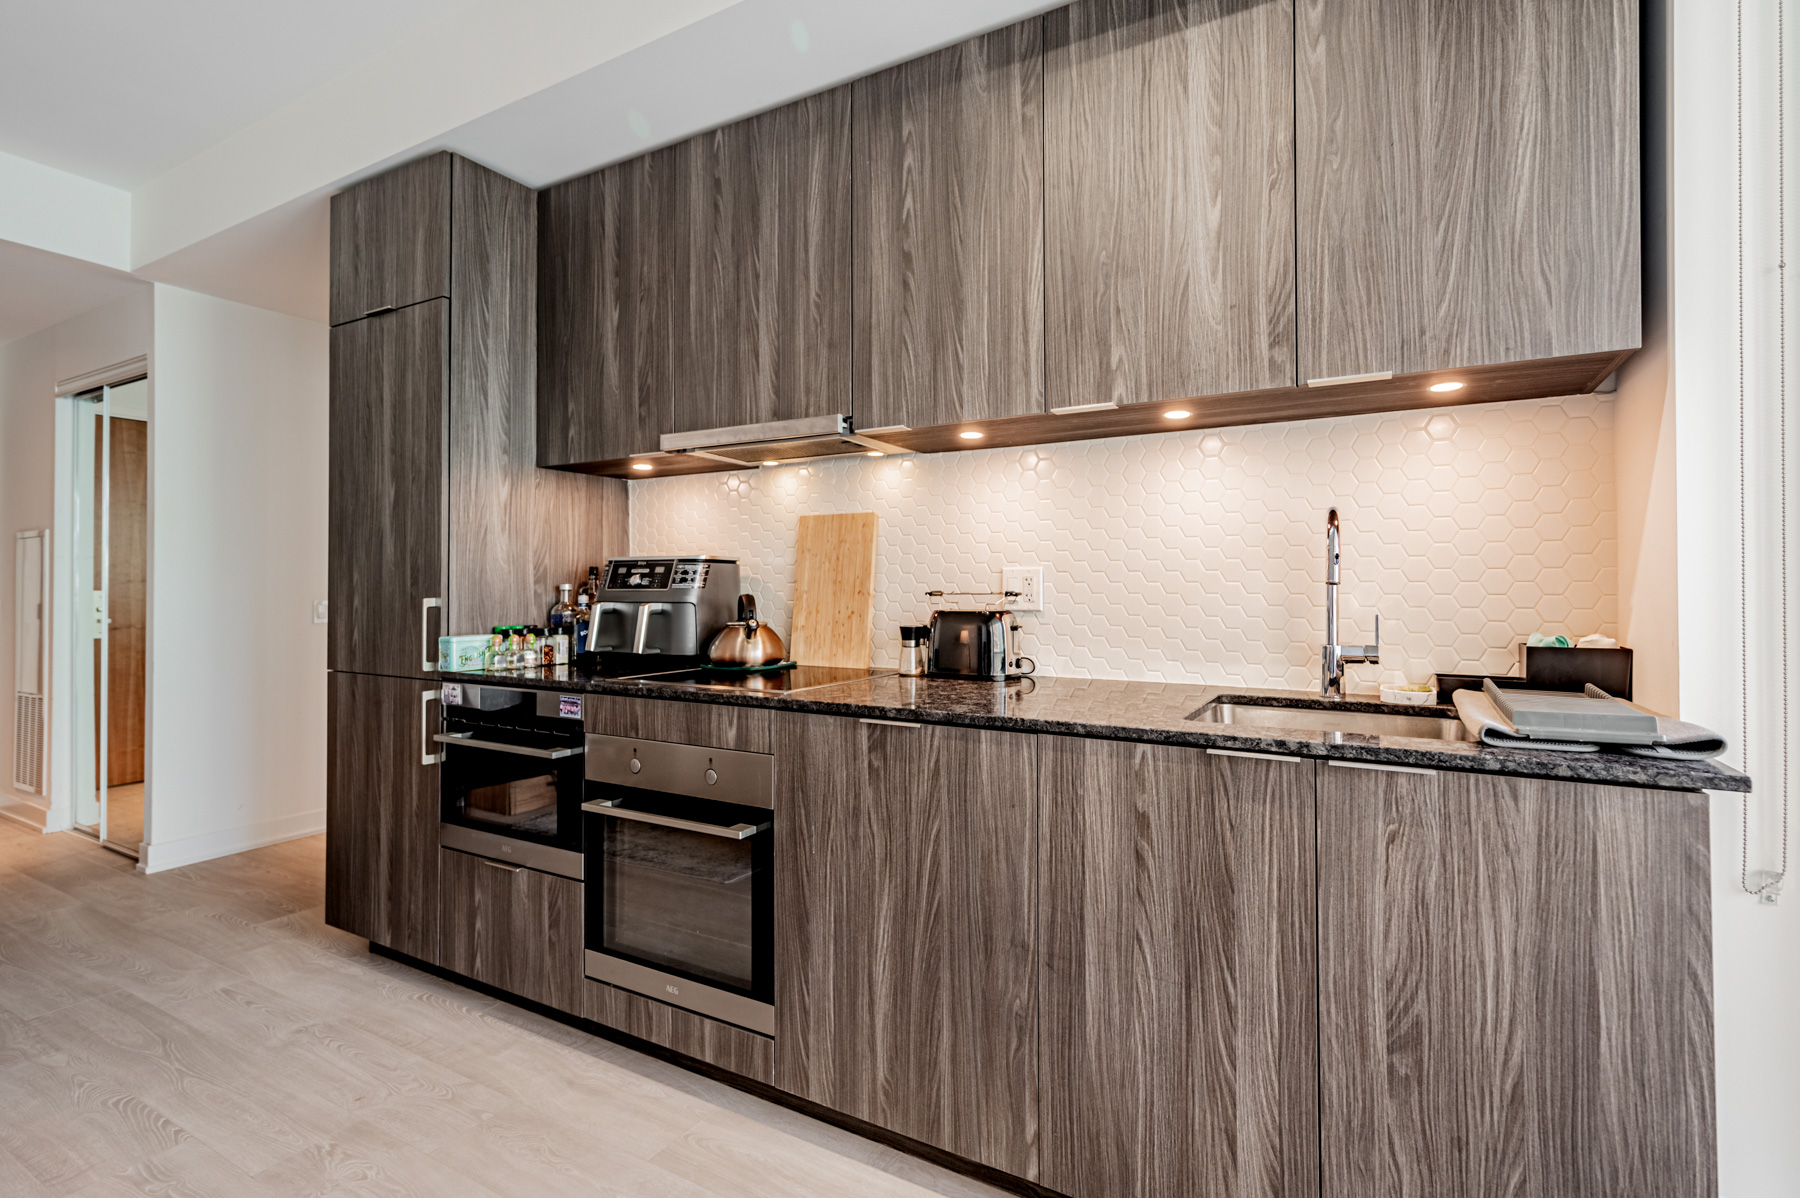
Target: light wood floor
column 200, row 1033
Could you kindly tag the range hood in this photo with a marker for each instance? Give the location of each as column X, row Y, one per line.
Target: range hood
column 779, row 441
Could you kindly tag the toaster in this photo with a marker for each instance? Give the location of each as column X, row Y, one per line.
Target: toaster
column 974, row 644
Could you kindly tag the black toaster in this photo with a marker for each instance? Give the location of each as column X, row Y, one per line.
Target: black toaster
column 975, row 645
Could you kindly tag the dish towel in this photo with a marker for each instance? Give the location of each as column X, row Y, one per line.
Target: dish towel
column 1677, row 740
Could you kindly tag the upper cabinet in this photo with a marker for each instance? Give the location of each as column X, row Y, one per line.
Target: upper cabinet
column 1169, row 220
column 390, row 240
column 706, row 285
column 950, row 234
column 1468, row 183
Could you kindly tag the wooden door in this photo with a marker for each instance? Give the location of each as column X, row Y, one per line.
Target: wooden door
column 1179, row 1035
column 760, row 260
column 1516, row 988
column 381, row 812
column 512, row 927
column 386, row 553
column 1169, row 225
column 390, row 240
column 906, row 942
column 1468, row 186
column 127, row 526
column 949, row 207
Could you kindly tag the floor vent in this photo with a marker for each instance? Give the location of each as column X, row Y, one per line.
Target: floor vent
column 28, row 743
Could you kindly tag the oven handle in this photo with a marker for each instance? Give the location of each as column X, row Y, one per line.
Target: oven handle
column 610, row 807
column 467, row 739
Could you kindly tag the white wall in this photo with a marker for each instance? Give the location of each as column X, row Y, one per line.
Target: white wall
column 1756, row 948
column 236, row 737
column 30, row 368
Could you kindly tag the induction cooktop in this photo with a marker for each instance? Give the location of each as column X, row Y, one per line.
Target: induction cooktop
column 774, row 682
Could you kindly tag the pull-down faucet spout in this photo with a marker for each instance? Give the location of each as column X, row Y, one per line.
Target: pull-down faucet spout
column 1334, row 657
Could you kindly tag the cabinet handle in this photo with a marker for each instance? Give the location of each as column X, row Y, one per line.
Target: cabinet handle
column 890, row 723
column 425, row 606
column 1257, row 756
column 501, row 865
column 1391, row 769
column 381, row 308
column 426, row 756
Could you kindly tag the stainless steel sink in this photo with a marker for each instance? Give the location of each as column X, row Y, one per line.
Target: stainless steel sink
column 1327, row 719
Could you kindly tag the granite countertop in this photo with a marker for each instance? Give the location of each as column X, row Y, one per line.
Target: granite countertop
column 1155, row 712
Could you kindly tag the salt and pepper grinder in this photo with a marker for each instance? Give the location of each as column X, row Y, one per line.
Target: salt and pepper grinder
column 912, row 650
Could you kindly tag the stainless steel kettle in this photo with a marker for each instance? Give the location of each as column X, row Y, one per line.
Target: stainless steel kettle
column 747, row 641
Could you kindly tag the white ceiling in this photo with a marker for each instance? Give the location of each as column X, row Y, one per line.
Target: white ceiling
column 121, row 90
column 39, row 289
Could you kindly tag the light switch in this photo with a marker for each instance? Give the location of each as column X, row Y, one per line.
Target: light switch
column 321, row 610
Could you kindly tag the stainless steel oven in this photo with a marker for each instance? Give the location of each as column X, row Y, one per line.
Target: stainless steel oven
column 512, row 776
column 679, row 883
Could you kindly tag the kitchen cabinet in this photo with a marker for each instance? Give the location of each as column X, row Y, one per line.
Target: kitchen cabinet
column 1468, row 186
column 1169, row 205
column 949, row 212
column 906, row 930
column 714, row 725
column 705, row 285
column 721, row 1044
column 386, row 551
column 381, row 812
column 1179, row 972
column 390, row 240
column 435, row 491
column 514, row 928
column 1515, row 987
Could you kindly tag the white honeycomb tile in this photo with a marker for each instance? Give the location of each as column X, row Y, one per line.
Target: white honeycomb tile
column 1196, row 557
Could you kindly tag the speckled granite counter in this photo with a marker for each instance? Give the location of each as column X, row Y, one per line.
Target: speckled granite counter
column 1158, row 713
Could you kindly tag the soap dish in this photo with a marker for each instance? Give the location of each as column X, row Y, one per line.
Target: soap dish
column 1411, row 694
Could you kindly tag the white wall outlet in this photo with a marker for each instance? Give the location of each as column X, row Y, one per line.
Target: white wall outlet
column 321, row 611
column 1028, row 581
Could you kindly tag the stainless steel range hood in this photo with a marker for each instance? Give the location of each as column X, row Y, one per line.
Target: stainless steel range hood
column 779, row 441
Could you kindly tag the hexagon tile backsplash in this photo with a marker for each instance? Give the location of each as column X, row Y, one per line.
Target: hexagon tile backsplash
column 1199, row 556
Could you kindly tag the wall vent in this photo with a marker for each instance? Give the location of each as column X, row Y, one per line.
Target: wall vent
column 28, row 743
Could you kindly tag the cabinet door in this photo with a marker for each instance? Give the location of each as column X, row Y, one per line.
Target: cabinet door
column 390, row 240
column 381, row 812
column 906, row 943
column 1179, row 1034
column 1468, row 182
column 950, row 234
column 759, row 253
column 386, row 551
column 516, row 929
column 1170, row 202
column 1515, row 989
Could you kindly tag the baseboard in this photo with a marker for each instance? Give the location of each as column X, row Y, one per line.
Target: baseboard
column 188, row 850
column 27, row 813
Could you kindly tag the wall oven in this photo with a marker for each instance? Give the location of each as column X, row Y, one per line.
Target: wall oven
column 512, row 776
column 679, row 885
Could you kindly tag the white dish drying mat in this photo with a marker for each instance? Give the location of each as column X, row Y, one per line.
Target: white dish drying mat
column 1676, row 739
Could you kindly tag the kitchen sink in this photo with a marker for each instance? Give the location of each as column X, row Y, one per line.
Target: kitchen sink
column 1330, row 719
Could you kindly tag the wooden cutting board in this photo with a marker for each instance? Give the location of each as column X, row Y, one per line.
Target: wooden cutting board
column 834, row 581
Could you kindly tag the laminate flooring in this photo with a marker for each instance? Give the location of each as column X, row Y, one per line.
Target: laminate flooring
column 200, row 1033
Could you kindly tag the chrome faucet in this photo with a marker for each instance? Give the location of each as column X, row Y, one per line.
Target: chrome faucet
column 1334, row 657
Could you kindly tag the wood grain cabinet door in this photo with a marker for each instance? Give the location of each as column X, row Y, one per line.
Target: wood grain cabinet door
column 1516, row 988
column 906, row 943
column 390, row 240
column 949, row 208
column 387, row 493
column 381, row 812
column 1179, row 985
column 1169, row 216
column 516, row 929
column 1468, row 186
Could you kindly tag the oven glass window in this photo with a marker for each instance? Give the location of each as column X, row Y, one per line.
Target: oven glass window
column 684, row 901
column 500, row 792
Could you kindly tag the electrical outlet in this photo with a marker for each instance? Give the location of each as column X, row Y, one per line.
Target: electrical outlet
column 321, row 611
column 1028, row 581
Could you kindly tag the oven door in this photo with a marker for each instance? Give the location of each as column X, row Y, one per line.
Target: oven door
column 513, row 797
column 679, row 901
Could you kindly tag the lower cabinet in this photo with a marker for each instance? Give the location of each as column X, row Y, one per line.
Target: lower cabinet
column 1516, row 988
column 514, row 928
column 381, row 812
column 906, row 930
column 1179, row 980
column 704, row 1039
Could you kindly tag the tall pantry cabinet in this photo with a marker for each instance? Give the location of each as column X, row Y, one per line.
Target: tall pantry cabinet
column 440, row 520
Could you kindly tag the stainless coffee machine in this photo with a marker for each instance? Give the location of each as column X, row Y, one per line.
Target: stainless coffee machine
column 664, row 606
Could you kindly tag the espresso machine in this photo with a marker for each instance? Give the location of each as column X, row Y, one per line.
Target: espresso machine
column 663, row 609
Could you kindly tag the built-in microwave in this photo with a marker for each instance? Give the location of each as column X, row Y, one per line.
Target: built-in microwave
column 512, row 784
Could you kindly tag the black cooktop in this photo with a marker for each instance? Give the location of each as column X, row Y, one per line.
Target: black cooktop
column 773, row 682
